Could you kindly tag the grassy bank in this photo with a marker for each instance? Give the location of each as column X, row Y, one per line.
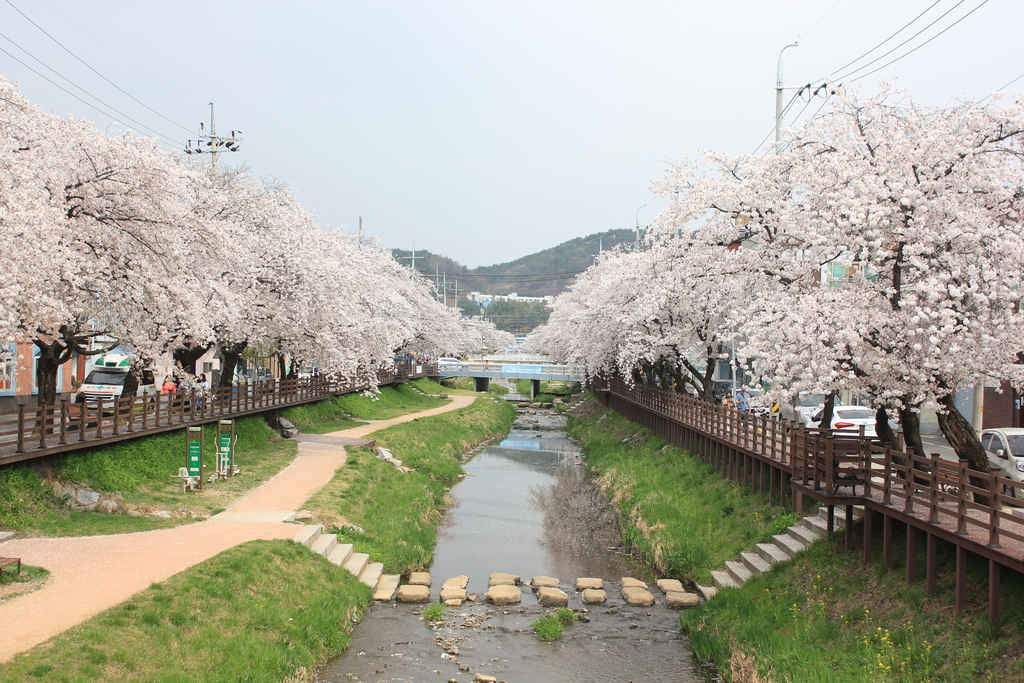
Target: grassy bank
column 392, row 401
column 398, row 513
column 263, row 611
column 321, row 417
column 826, row 617
column 677, row 513
column 140, row 471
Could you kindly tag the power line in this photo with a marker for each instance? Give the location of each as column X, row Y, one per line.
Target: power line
column 88, row 66
column 130, row 61
column 88, row 104
column 900, row 30
column 915, row 49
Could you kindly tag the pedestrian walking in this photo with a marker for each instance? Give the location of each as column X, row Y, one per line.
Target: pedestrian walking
column 743, row 399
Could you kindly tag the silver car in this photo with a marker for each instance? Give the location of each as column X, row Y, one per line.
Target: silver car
column 1005, row 450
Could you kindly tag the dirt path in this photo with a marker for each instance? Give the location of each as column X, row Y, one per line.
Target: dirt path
column 89, row 574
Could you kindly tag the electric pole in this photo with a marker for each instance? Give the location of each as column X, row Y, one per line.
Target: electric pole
column 404, row 258
column 214, row 144
column 778, row 98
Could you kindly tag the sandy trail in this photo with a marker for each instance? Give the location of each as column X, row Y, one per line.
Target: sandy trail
column 92, row 573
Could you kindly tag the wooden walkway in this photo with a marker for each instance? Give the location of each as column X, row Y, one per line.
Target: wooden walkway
column 944, row 500
column 29, row 433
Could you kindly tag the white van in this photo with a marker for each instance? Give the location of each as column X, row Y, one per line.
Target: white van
column 112, row 377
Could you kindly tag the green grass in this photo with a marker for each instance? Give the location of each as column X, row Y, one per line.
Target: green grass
column 400, row 512
column 676, row 511
column 433, row 612
column 141, row 471
column 827, row 617
column 548, row 628
column 565, row 615
column 321, row 417
column 263, row 611
column 13, row 584
column 390, row 402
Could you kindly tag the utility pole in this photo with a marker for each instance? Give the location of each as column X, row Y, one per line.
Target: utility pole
column 638, row 224
column 214, row 144
column 778, row 98
column 404, row 258
column 360, row 232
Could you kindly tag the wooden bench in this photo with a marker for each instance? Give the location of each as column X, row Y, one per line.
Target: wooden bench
column 8, row 561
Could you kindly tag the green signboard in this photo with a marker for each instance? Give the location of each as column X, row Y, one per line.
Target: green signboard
column 195, row 452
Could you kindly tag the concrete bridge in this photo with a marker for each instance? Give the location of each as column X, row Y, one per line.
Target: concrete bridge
column 483, row 372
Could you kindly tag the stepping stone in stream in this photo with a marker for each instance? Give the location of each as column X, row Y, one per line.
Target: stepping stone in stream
column 386, row 587
column 670, row 586
column 503, row 579
column 594, row 596
column 504, row 595
column 630, row 582
column 681, row 600
column 461, row 581
column 419, row 579
column 552, row 597
column 589, row 584
column 453, row 593
column 544, row 582
column 637, row 597
column 415, row 594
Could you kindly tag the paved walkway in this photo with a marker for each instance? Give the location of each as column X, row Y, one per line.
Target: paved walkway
column 92, row 573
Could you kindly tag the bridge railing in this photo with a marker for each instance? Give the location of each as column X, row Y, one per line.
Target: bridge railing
column 30, row 431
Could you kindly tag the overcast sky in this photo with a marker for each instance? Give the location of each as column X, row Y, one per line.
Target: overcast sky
column 487, row 130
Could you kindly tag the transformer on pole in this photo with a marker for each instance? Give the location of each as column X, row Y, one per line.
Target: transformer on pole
column 214, row 144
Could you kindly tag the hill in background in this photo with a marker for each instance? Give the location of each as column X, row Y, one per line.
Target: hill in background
column 548, row 272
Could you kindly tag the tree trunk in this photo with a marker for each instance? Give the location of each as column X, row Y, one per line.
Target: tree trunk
column 828, row 410
column 911, row 421
column 885, row 433
column 961, row 435
column 51, row 357
column 231, row 354
column 186, row 356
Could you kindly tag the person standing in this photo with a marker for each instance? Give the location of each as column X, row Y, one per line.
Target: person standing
column 743, row 399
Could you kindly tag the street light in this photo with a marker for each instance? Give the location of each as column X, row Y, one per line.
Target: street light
column 638, row 223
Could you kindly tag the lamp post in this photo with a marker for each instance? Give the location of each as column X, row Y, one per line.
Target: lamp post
column 778, row 98
column 638, row 223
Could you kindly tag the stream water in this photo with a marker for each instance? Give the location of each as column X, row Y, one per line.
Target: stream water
column 525, row 507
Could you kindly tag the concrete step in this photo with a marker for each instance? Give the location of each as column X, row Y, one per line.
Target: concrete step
column 307, row 534
column 771, row 553
column 707, row 592
column 723, row 580
column 803, row 534
column 817, row 524
column 324, row 544
column 840, row 517
column 739, row 573
column 371, row 574
column 386, row 587
column 340, row 554
column 357, row 563
column 755, row 563
column 788, row 545
column 6, row 536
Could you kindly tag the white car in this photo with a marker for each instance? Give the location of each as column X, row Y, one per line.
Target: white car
column 1005, row 450
column 849, row 420
column 805, row 408
column 449, row 364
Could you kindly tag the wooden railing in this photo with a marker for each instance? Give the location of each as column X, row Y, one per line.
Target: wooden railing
column 36, row 431
column 842, row 468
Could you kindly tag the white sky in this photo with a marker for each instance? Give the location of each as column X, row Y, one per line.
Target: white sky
column 487, row 130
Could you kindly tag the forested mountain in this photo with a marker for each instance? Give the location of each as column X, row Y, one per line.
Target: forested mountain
column 547, row 272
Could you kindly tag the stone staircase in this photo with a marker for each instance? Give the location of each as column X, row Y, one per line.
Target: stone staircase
column 358, row 564
column 783, row 546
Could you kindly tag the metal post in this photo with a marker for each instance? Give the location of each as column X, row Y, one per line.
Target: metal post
column 778, row 99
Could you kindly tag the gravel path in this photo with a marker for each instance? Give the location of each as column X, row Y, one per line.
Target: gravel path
column 89, row 574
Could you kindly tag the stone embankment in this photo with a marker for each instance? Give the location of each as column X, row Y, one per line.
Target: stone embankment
column 755, row 562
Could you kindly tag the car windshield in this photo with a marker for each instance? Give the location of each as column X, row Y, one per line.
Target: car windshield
column 1016, row 444
column 101, row 377
column 811, row 400
column 854, row 413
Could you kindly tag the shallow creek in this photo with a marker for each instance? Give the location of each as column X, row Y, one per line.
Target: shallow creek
column 525, row 507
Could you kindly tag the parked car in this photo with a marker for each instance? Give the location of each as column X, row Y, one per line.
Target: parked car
column 1005, row 450
column 849, row 420
column 449, row 364
column 805, row 408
